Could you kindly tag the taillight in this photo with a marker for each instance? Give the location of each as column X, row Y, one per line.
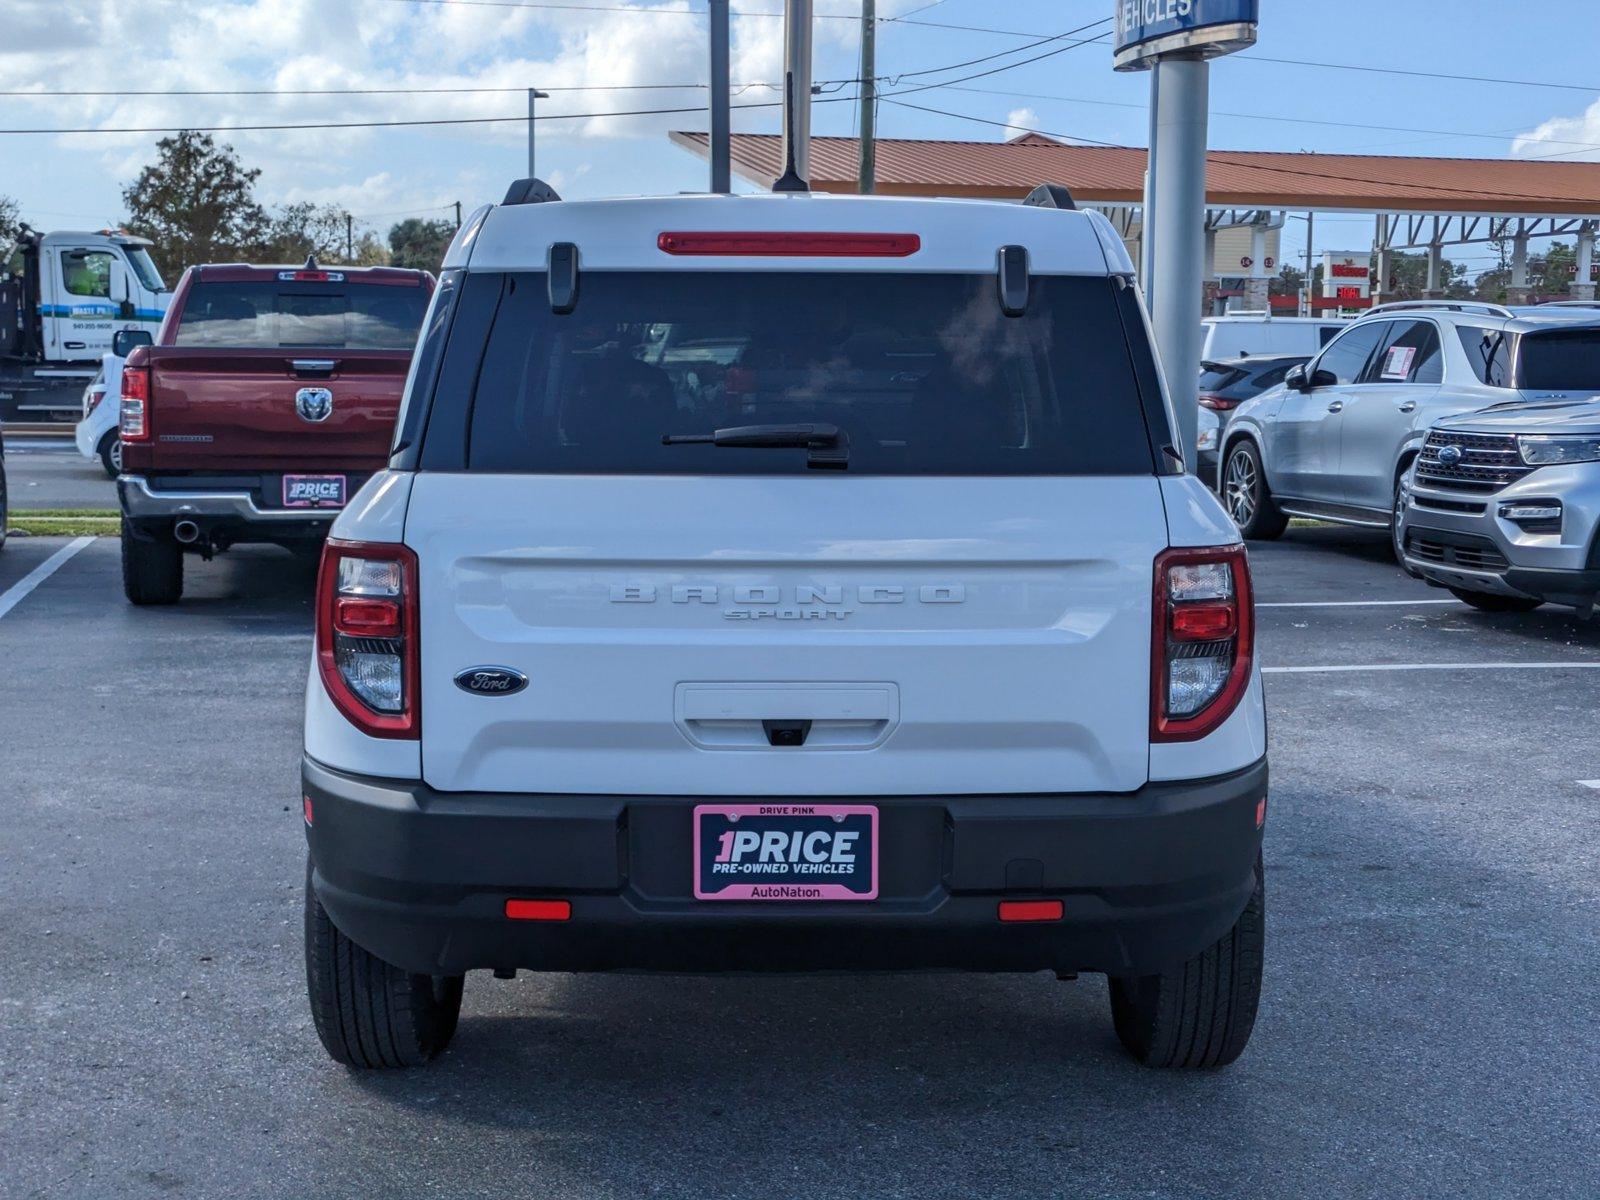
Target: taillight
column 1203, row 624
column 1217, row 403
column 92, row 399
column 133, row 414
column 367, row 635
column 763, row 244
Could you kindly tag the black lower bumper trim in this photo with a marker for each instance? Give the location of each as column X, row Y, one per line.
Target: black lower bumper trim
column 1146, row 879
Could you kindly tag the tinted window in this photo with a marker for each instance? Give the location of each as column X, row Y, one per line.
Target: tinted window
column 267, row 314
column 1213, row 377
column 1272, row 378
column 1565, row 361
column 1346, row 357
column 1410, row 354
column 1327, row 333
column 1487, row 353
column 923, row 373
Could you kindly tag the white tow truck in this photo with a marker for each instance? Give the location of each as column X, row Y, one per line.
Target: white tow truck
column 63, row 298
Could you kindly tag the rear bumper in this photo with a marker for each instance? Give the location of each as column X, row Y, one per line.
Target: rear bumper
column 1146, row 879
column 224, row 515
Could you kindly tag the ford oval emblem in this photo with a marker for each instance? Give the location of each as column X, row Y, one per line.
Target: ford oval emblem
column 1449, row 456
column 491, row 681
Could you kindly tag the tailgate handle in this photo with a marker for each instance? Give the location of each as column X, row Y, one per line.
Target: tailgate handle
column 314, row 368
column 818, row 716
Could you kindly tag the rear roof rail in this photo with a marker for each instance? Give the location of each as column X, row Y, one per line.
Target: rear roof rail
column 1570, row 304
column 1482, row 307
column 1052, row 195
column 530, row 191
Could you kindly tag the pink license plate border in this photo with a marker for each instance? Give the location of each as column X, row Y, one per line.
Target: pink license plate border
column 745, row 891
column 344, row 491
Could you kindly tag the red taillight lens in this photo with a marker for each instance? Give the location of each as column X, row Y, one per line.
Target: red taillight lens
column 1217, row 403
column 367, row 650
column 792, row 245
column 1203, row 625
column 96, row 395
column 133, row 414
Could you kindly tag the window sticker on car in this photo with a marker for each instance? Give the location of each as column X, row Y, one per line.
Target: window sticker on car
column 1397, row 364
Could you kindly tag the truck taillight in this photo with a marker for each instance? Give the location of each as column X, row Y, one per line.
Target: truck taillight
column 367, row 635
column 134, row 412
column 1203, row 627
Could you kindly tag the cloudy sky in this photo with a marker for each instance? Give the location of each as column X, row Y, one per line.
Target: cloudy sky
column 72, row 48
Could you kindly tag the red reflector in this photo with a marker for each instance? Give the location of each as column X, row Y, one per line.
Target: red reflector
column 1261, row 812
column 1202, row 622
column 307, row 800
column 359, row 616
column 1030, row 910
column 793, row 245
column 539, row 910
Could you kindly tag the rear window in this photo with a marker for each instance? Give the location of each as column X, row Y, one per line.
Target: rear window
column 1214, row 377
column 923, row 374
column 1564, row 361
column 267, row 314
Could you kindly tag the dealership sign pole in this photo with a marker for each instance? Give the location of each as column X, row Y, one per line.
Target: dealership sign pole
column 1177, row 38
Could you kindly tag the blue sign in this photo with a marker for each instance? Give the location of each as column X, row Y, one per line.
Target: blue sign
column 1149, row 28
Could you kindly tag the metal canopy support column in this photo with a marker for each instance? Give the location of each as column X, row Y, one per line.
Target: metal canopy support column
column 1180, row 99
column 1583, row 287
column 797, row 65
column 1381, row 245
column 1518, row 291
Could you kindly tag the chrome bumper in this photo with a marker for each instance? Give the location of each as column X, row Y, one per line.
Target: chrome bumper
column 139, row 500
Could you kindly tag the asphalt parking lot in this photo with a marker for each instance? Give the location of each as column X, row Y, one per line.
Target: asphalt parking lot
column 1427, row 1029
column 48, row 472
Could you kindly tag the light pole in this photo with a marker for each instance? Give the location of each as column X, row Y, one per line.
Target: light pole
column 534, row 94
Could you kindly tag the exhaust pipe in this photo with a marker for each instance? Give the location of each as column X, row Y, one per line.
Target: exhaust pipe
column 186, row 532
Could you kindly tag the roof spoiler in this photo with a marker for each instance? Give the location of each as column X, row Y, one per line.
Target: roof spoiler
column 530, row 191
column 1051, row 195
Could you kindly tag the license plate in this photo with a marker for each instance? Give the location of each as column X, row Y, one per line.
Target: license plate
column 313, row 491
column 785, row 852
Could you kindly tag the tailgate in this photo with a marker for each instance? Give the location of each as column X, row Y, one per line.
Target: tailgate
column 933, row 635
column 216, row 409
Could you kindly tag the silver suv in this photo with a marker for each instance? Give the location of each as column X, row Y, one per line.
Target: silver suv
column 1336, row 440
column 1503, row 504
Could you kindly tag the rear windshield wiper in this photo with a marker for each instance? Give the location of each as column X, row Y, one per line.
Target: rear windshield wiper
column 826, row 447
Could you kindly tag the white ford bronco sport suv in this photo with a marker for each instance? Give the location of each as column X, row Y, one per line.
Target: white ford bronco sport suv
column 787, row 582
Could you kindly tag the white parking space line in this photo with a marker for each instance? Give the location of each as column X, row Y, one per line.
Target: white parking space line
column 1350, row 603
column 14, row 595
column 1590, row 783
column 1490, row 666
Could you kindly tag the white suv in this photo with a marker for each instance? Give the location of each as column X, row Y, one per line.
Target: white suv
column 784, row 582
column 1336, row 441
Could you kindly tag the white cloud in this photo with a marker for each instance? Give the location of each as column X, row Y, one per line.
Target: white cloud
column 1570, row 139
column 1020, row 121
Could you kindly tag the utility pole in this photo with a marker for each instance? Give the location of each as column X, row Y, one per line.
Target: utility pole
column 719, row 148
column 797, row 73
column 868, row 173
column 458, row 214
column 1311, row 226
column 533, row 95
column 349, row 238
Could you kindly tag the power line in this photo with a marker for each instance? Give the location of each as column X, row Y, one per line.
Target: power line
column 1213, row 157
column 291, row 126
column 1457, row 133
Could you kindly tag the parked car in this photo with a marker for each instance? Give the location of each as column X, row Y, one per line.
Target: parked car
column 1224, row 385
column 268, row 401
column 885, row 636
column 1253, row 335
column 1335, row 441
column 1503, row 505
column 98, row 436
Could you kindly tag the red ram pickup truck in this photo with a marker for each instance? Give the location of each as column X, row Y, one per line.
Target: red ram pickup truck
column 267, row 399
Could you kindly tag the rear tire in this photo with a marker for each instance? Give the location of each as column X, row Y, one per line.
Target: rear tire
column 152, row 568
column 369, row 1013
column 110, row 451
column 1246, row 495
column 1200, row 1013
column 1492, row 602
